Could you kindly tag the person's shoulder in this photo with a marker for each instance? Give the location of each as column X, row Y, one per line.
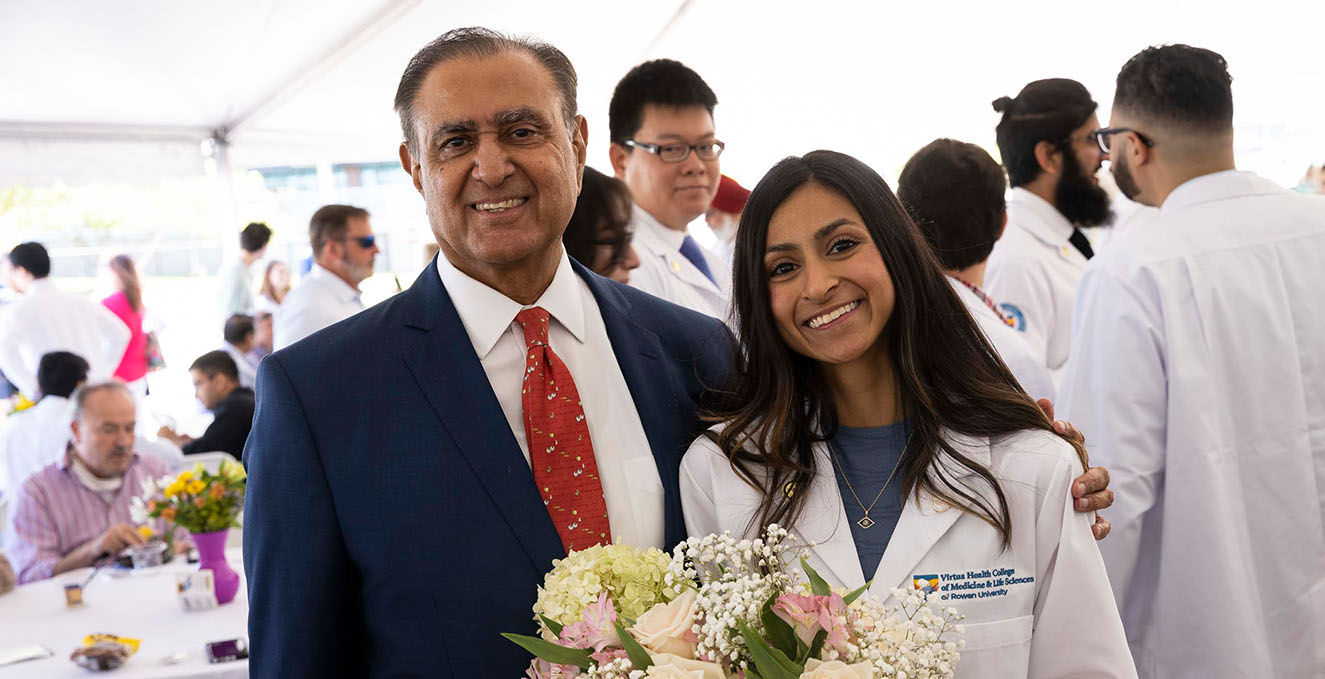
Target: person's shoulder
column 672, row 322
column 704, row 459
column 370, row 332
column 1033, row 456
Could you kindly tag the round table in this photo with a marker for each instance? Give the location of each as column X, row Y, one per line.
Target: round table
column 136, row 604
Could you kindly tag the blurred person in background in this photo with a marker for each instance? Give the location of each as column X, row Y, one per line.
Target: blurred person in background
column 1045, row 137
column 956, row 193
column 262, row 336
column 275, row 285
column 47, row 319
column 1313, row 182
column 75, row 511
column 6, row 575
column 344, row 249
column 237, row 277
column 127, row 305
column 724, row 215
column 38, row 436
column 216, row 384
column 598, row 235
column 240, row 338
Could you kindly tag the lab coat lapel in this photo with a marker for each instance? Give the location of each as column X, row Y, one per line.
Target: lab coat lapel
column 924, row 520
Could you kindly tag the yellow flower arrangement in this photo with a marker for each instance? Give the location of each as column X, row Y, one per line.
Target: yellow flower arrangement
column 197, row 500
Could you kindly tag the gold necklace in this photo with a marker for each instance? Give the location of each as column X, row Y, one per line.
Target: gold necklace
column 865, row 521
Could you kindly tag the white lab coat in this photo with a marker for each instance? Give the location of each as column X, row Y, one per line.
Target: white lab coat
column 1010, row 344
column 1033, row 273
column 47, row 319
column 1199, row 379
column 664, row 272
column 1052, row 616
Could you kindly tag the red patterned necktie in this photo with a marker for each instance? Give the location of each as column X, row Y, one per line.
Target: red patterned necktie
column 559, row 446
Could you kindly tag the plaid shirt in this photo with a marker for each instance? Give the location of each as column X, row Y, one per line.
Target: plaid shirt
column 54, row 513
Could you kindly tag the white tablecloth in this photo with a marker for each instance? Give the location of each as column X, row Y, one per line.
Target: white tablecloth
column 141, row 605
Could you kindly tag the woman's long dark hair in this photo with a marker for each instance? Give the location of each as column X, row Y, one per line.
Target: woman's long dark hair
column 126, row 277
column 777, row 404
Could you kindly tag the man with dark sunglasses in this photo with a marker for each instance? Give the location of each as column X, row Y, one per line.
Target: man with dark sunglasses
column 344, row 249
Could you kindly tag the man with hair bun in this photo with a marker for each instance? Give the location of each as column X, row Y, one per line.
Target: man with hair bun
column 1197, row 369
column 1051, row 158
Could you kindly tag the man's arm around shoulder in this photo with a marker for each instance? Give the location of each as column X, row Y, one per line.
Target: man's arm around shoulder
column 302, row 588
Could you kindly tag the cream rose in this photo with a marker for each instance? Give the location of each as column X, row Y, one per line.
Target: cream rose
column 668, row 666
column 665, row 628
column 836, row 669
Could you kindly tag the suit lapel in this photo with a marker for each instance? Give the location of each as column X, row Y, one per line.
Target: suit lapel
column 452, row 380
column 922, row 523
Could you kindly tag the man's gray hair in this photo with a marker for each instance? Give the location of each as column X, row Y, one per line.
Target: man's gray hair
column 87, row 390
column 477, row 41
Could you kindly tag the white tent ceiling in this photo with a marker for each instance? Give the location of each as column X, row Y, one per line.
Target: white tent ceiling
column 108, row 89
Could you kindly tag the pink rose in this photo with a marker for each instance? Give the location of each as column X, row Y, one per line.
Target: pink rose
column 542, row 669
column 595, row 629
column 809, row 614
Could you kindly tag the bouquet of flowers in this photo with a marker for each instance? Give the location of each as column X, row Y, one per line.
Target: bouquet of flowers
column 721, row 608
column 195, row 499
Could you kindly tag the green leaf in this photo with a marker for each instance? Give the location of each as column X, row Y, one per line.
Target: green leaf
column 817, row 584
column 855, row 593
column 559, row 655
column 770, row 662
column 638, row 656
column 552, row 625
column 780, row 634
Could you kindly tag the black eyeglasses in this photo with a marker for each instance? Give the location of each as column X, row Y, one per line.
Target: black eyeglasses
column 365, row 242
column 1103, row 135
column 675, row 153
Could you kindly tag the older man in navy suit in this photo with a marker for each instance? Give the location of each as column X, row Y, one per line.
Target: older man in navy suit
column 414, row 470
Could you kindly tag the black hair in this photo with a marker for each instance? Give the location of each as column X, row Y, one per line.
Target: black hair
column 1179, row 85
column 662, row 82
column 60, row 372
column 214, row 362
column 604, row 205
column 32, row 257
column 237, row 327
column 331, row 222
column 255, row 236
column 1045, row 110
column 476, row 41
column 955, row 193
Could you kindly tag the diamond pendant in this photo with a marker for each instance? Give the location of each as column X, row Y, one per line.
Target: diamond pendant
column 865, row 522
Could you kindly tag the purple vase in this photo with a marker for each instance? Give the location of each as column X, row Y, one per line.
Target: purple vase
column 211, row 556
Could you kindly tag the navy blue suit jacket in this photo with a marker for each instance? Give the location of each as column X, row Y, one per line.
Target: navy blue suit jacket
column 392, row 526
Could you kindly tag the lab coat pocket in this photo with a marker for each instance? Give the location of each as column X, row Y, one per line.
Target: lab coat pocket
column 1001, row 648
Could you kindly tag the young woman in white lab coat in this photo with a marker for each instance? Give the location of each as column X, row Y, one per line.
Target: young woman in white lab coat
column 847, row 324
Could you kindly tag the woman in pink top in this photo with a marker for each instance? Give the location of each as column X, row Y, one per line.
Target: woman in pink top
column 128, row 305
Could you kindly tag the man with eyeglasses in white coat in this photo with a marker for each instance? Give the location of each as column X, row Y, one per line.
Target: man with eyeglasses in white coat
column 1198, row 370
column 665, row 149
column 344, row 249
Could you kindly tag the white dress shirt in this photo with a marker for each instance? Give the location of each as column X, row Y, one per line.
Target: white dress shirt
column 631, row 486
column 1198, row 376
column 321, row 299
column 38, row 436
column 665, row 272
column 1010, row 345
column 47, row 319
column 236, row 289
column 244, row 363
column 1033, row 273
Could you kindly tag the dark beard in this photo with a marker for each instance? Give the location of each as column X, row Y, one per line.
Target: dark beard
column 1122, row 176
column 1078, row 197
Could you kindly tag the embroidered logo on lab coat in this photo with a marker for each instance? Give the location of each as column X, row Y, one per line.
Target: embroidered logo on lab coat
column 1015, row 317
column 965, row 585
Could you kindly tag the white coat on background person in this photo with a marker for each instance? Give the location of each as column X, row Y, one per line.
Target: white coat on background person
column 664, row 272
column 321, row 299
column 1010, row 344
column 1054, row 614
column 47, row 319
column 1198, row 371
column 1033, row 273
